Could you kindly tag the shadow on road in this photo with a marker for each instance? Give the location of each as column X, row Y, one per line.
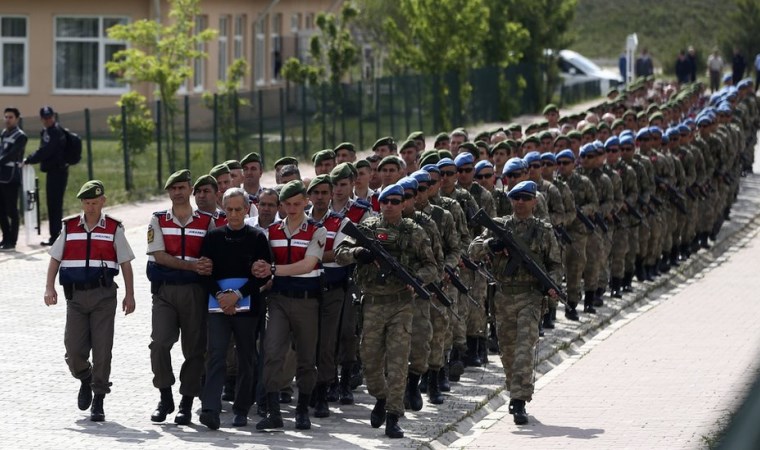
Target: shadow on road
column 537, row 430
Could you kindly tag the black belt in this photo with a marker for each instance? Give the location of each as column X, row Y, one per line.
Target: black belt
column 91, row 285
column 300, row 294
column 331, row 286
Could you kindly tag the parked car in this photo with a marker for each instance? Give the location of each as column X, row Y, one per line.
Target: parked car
column 576, row 68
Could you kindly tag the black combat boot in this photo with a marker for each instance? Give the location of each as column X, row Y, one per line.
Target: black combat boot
column 84, row 398
column 321, row 407
column 588, row 303
column 357, row 375
column 571, row 313
column 346, row 396
column 165, row 406
column 517, row 409
column 392, row 430
column 333, row 391
column 471, row 358
column 210, row 418
column 493, row 341
column 703, row 241
column 456, row 367
column 547, row 320
column 424, row 383
column 413, row 392
column 664, row 265
column 274, row 416
column 434, row 389
column 96, row 412
column 598, row 300
column 685, row 251
column 628, row 282
column 540, row 328
column 228, row 392
column 377, row 416
column 443, row 379
column 615, row 284
column 674, row 257
column 302, row 412
column 482, row 350
column 185, row 413
column 641, row 273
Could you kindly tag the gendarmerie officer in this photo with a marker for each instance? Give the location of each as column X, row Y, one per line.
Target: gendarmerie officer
column 12, row 147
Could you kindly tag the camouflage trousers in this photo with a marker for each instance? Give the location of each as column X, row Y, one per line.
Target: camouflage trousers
column 645, row 229
column 594, row 260
column 576, row 262
column 707, row 216
column 654, row 245
column 671, row 220
column 422, row 333
column 385, row 345
column 449, row 334
column 679, row 234
column 439, row 318
column 632, row 238
column 618, row 251
column 690, row 227
column 476, row 314
column 517, row 312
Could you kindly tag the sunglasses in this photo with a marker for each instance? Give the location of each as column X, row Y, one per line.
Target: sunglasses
column 447, row 173
column 522, row 198
column 514, row 175
column 422, row 188
column 483, row 176
column 548, row 164
column 535, row 166
column 465, row 170
column 588, row 156
column 613, row 150
column 564, row 163
column 392, row 201
column 627, row 149
column 644, row 139
column 408, row 196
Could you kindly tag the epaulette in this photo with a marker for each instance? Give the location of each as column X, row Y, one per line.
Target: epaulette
column 336, row 214
column 67, row 218
column 203, row 212
column 311, row 221
column 362, row 203
column 114, row 219
column 160, row 213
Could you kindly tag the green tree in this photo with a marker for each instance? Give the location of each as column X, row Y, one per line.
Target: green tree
column 744, row 22
column 228, row 102
column 162, row 55
column 139, row 127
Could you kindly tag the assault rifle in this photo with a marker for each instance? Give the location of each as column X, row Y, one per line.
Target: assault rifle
column 482, row 271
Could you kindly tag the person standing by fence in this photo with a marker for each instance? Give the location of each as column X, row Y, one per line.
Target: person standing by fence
column 12, row 147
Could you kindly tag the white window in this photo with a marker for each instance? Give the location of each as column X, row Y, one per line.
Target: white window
column 14, row 66
column 276, row 43
column 237, row 49
column 199, row 65
column 309, row 21
column 82, row 48
column 260, row 53
column 224, row 31
column 295, row 22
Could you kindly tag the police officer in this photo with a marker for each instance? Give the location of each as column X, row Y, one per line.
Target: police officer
column 12, row 147
column 87, row 267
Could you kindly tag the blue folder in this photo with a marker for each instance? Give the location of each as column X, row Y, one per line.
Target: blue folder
column 244, row 304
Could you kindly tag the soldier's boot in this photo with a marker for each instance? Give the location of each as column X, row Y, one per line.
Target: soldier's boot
column 482, row 350
column 598, row 300
column 392, row 430
column 651, row 272
column 664, row 265
column 434, row 389
column 357, row 376
column 627, row 284
column 443, row 379
column 185, row 411
column 274, row 416
column 517, row 409
column 547, row 320
column 412, row 394
column 641, row 274
column 456, row 367
column 346, row 396
column 228, row 392
column 424, row 383
column 685, row 251
column 321, row 407
column 541, row 328
column 703, row 240
column 571, row 313
column 377, row 416
column 165, row 406
column 302, row 412
column 84, row 398
column 261, row 406
column 333, row 391
column 674, row 253
column 615, row 285
column 471, row 357
column 493, row 341
column 96, row 412
column 588, row 303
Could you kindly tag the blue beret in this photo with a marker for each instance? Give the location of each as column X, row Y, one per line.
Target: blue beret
column 684, row 129
column 421, row 176
column 532, row 157
column 689, row 122
column 566, row 153
column 727, row 77
column 724, row 108
column 513, row 165
column 482, row 165
column 744, row 83
column 523, row 187
column 655, row 129
column 431, row 168
column 548, row 156
column 408, row 183
column 464, row 158
column 703, row 120
column 625, row 133
column 642, row 133
column 715, row 98
column 665, row 139
column 445, row 162
column 393, row 189
column 732, row 92
column 626, row 140
column 612, row 142
column 598, row 144
column 588, row 149
column 670, row 132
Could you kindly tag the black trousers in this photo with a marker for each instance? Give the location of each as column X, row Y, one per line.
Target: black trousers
column 55, row 187
column 9, row 212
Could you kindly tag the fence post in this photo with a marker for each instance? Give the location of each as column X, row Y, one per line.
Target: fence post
column 419, row 103
column 236, row 112
column 125, row 148
column 282, row 121
column 261, row 124
column 158, row 144
column 214, row 132
column 392, row 114
column 361, row 117
column 323, row 92
column 187, row 131
column 405, row 94
column 90, row 173
column 377, row 108
column 304, row 124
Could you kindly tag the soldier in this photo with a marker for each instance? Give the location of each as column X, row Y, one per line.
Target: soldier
column 12, row 147
column 174, row 269
column 387, row 304
column 383, row 147
column 324, row 162
column 87, row 268
column 364, row 171
column 519, row 295
column 221, row 174
column 345, row 152
column 620, row 174
column 252, row 171
column 280, row 164
column 408, row 154
column 236, row 172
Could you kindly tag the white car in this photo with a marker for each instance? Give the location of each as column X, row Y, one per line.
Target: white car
column 576, row 68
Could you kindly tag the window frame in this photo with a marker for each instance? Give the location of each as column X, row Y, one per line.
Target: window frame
column 223, row 47
column 200, row 23
column 24, row 88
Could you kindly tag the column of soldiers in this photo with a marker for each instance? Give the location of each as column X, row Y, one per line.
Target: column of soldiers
column 383, row 271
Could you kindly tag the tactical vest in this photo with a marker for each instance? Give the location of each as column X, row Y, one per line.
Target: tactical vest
column 89, row 255
column 180, row 242
column 333, row 272
column 288, row 250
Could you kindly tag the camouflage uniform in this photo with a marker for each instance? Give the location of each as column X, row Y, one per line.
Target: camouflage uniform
column 617, row 246
column 595, row 256
column 622, row 268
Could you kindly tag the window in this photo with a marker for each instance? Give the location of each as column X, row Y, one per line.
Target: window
column 199, row 65
column 14, row 68
column 309, row 21
column 260, row 55
column 276, row 43
column 224, row 31
column 82, row 48
column 295, row 22
column 237, row 49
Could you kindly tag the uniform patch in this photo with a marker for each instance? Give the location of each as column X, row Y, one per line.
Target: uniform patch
column 151, row 234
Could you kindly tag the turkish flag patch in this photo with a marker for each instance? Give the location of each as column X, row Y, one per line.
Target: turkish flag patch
column 382, row 236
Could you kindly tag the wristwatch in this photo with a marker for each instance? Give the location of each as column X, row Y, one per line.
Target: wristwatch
column 273, row 269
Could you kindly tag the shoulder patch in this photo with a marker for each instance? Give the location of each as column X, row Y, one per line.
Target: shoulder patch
column 151, row 234
column 362, row 203
column 160, row 213
column 114, row 219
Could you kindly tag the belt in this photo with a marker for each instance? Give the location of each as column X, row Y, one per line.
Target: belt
column 91, row 285
column 331, row 286
column 173, row 283
column 12, row 164
column 378, row 298
column 299, row 294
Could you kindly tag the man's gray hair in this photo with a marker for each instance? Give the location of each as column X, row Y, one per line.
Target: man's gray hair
column 235, row 192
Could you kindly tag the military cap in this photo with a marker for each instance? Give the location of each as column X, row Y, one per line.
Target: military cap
column 445, row 154
column 322, row 155
column 617, row 123
column 514, row 127
column 665, row 139
column 651, row 109
column 561, row 138
column 393, row 189
column 545, row 135
column 533, row 138
column 345, row 146
column 548, row 156
column 513, row 165
column 724, row 108
column 470, row 147
column 391, row 159
column 384, row 141
column 219, row 170
column 655, row 116
column 532, row 157
column 726, row 78
column 745, row 83
column 482, row 165
column 603, row 125
column 463, row 159
column 629, row 112
column 672, row 132
column 574, row 134
column 589, row 150
column 204, row 180
column 445, row 162
column 177, row 177
column 641, row 114
column 563, row 120
column 46, row 111
column 407, row 144
column 91, row 189
column 409, row 183
column 566, row 153
column 422, row 176
column 316, row 181
column 655, row 130
column 416, row 135
column 285, row 161
column 362, row 163
column 626, row 140
column 459, row 132
column 440, row 137
column 431, row 168
column 625, row 133
column 429, row 157
column 483, row 135
column 292, row 188
column 249, row 158
column 549, row 108
column 523, row 188
column 613, row 141
column 689, row 122
column 503, row 145
column 703, row 121
column 599, row 145
column 684, row 129
column 481, row 144
column 588, row 129
column 342, row 171
column 531, row 128
column 643, row 133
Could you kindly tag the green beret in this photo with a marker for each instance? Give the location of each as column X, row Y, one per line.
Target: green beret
column 514, row 127
column 342, row 171
column 383, row 141
column 549, row 108
column 574, row 134
column 459, row 132
column 445, row 154
column 652, row 107
column 532, row 138
column 345, row 146
column 362, row 163
column 503, row 145
column 319, row 179
column 204, row 180
column 482, row 136
column 178, row 177
column 641, row 114
column 481, row 144
column 429, row 157
column 292, row 188
column 512, row 143
column 415, row 135
column 546, row 135
column 391, row 159
column 588, row 129
column 563, row 120
column 234, row 164
column 657, row 115
column 91, row 189
column 532, row 127
column 561, row 137
column 322, row 155
column 249, row 158
column 470, row 147
column 407, row 144
column 629, row 112
column 285, row 161
column 442, row 137
column 219, row 170
column 603, row 124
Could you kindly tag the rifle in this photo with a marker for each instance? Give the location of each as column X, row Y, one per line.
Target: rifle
column 388, row 264
column 459, row 285
column 584, row 219
column 599, row 220
column 675, row 197
column 562, row 235
column 434, row 288
column 616, row 218
column 633, row 211
column 482, row 271
column 655, row 200
column 519, row 254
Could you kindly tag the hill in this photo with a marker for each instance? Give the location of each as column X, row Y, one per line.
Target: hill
column 600, row 28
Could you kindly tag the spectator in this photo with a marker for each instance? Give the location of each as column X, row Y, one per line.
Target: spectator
column 644, row 66
column 738, row 66
column 757, row 71
column 692, row 57
column 683, row 70
column 714, row 68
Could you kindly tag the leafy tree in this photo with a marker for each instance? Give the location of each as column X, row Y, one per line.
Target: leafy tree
column 139, row 126
column 745, row 21
column 163, row 55
column 228, row 101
